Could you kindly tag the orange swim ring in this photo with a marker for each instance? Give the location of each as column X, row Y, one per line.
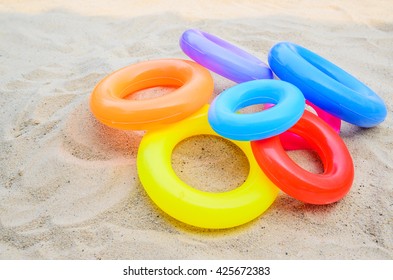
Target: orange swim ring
column 194, row 87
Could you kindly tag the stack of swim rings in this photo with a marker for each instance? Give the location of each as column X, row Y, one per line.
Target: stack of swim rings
column 264, row 137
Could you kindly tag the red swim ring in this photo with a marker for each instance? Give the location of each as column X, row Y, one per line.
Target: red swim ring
column 328, row 187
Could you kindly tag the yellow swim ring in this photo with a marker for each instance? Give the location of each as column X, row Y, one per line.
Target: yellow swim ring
column 190, row 205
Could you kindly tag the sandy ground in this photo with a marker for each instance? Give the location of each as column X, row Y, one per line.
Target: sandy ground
column 69, row 187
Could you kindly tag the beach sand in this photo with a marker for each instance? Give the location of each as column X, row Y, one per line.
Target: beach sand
column 69, row 187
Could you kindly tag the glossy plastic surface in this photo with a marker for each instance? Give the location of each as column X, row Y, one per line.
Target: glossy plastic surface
column 308, row 187
column 292, row 141
column 194, row 87
column 326, row 85
column 222, row 57
column 225, row 120
column 192, row 206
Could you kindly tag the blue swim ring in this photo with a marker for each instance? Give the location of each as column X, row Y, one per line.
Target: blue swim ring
column 326, row 85
column 289, row 107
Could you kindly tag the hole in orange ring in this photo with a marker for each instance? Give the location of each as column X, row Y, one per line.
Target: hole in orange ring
column 150, row 93
column 210, row 163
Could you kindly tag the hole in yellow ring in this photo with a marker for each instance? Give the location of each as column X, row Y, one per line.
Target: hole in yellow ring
column 210, row 163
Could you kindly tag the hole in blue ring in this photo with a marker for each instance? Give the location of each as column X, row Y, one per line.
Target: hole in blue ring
column 331, row 70
column 259, row 100
column 255, row 108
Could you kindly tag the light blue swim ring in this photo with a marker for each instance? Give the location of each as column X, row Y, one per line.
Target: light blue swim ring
column 289, row 107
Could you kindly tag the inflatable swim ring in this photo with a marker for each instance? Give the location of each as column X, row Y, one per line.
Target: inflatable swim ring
column 222, row 57
column 194, row 87
column 225, row 120
column 326, row 85
column 192, row 206
column 308, row 187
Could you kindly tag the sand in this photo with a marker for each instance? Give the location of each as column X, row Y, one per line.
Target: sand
column 69, row 187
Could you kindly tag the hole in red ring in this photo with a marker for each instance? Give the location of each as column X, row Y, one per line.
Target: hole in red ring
column 311, row 109
column 307, row 159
